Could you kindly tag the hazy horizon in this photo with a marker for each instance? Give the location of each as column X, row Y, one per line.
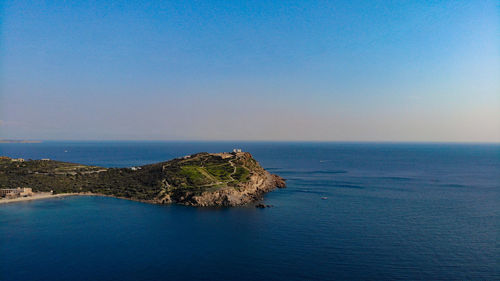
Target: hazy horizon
column 357, row 71
column 257, row 141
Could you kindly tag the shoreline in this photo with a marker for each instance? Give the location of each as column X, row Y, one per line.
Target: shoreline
column 62, row 195
column 36, row 197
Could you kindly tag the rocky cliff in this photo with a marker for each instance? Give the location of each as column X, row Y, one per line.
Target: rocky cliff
column 247, row 182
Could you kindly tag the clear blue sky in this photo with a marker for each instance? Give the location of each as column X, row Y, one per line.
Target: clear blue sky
column 251, row 70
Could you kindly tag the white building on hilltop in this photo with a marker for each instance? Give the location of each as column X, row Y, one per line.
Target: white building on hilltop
column 236, row 150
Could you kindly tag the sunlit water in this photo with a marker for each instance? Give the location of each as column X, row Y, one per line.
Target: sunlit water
column 392, row 211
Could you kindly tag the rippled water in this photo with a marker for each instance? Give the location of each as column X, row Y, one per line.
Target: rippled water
column 393, row 211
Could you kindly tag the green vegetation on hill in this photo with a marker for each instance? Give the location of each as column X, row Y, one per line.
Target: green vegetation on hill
column 196, row 173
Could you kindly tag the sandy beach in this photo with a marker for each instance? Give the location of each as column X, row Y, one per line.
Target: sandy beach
column 47, row 195
column 38, row 196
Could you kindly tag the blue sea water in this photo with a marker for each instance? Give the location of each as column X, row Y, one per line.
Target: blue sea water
column 393, row 211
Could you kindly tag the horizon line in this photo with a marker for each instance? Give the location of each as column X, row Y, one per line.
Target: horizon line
column 250, row 141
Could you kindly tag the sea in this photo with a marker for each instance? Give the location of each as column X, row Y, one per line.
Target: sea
column 351, row 211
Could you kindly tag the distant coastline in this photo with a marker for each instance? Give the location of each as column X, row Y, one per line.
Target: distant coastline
column 20, row 141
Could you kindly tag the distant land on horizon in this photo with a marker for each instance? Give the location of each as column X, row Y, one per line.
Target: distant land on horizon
column 20, row 141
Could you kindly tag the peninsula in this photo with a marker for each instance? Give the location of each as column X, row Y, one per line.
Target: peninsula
column 202, row 179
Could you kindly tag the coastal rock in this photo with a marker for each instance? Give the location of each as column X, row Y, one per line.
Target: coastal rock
column 260, row 182
column 262, row 206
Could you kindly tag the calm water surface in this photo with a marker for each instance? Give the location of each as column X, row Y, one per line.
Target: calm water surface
column 393, row 211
